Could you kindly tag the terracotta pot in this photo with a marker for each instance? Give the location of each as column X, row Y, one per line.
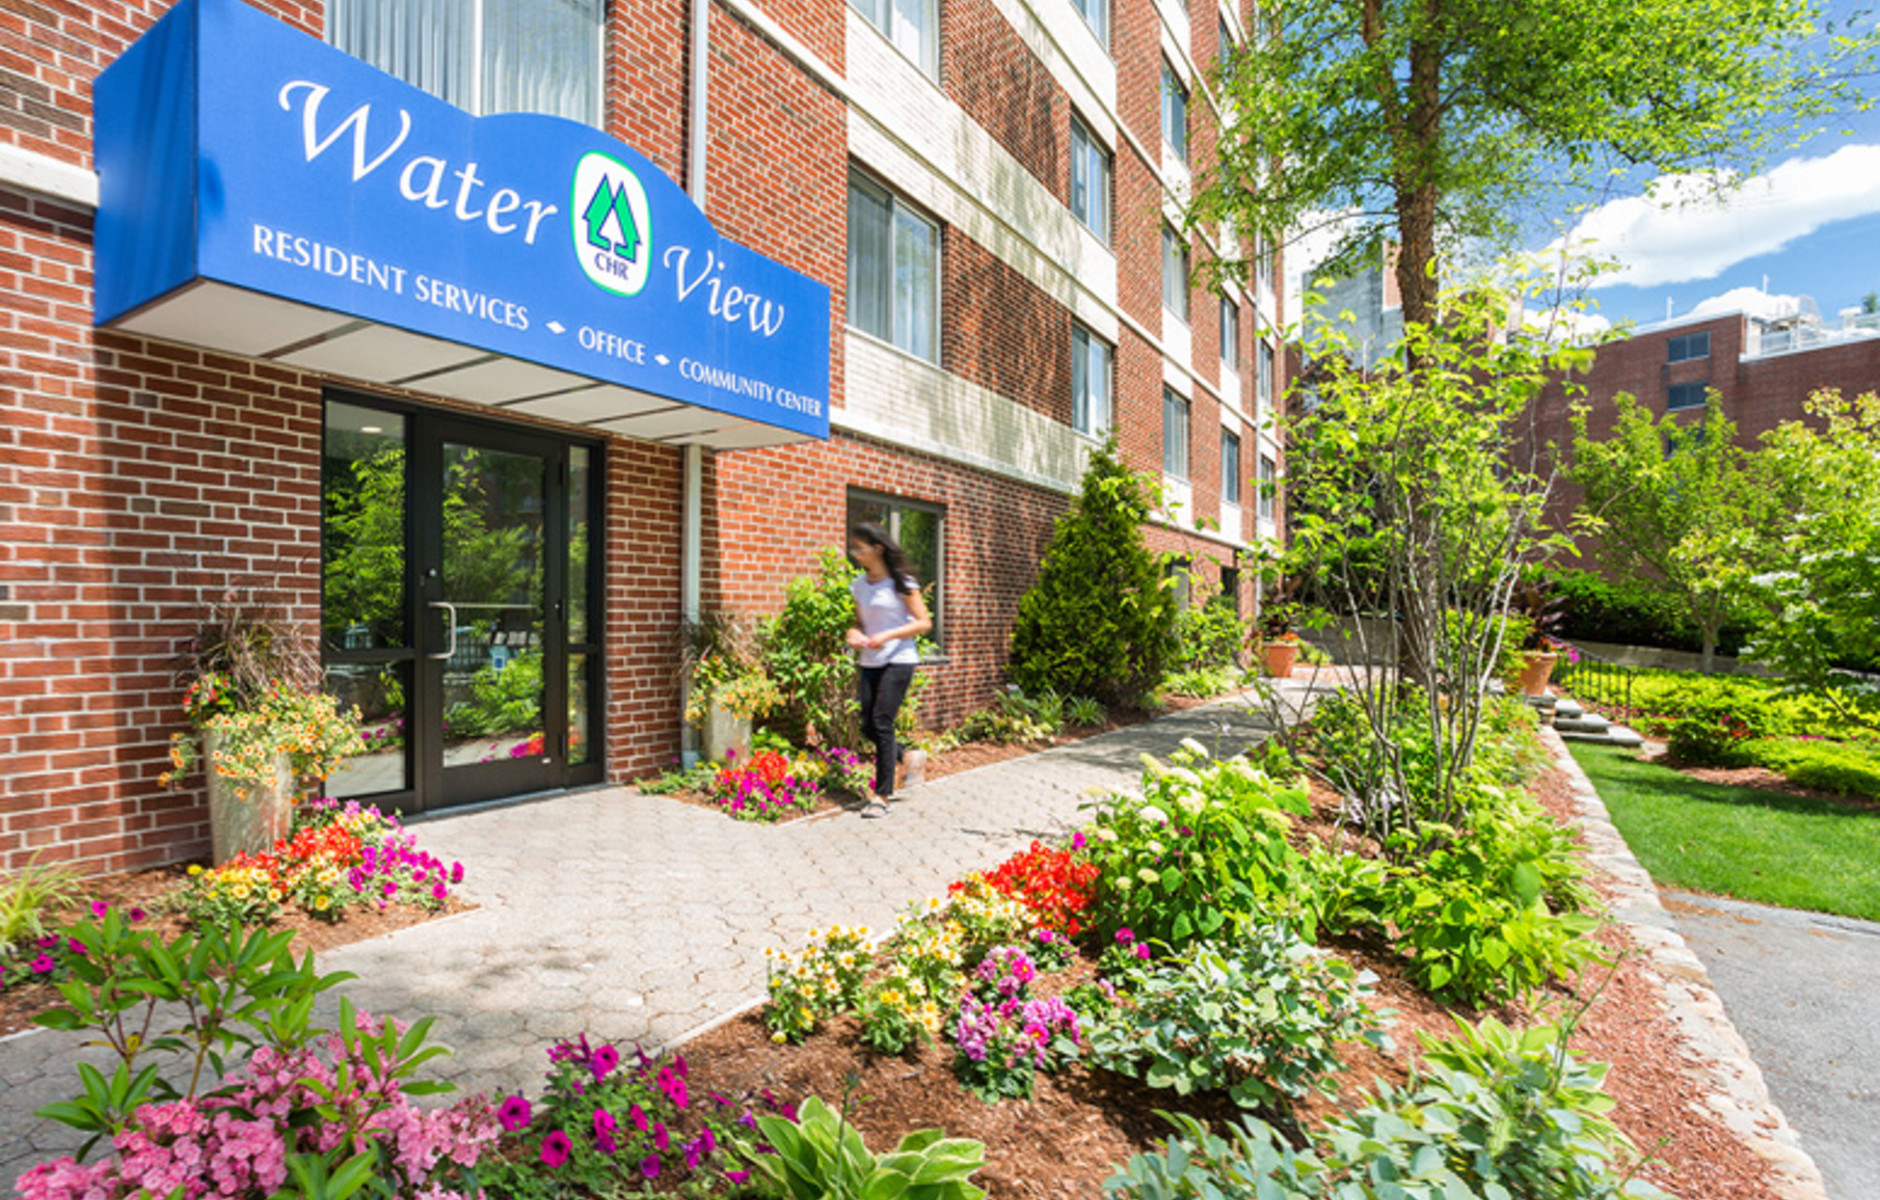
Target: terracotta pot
column 1278, row 658
column 1537, row 666
column 248, row 824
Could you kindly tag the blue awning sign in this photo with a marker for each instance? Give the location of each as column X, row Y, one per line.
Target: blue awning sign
column 348, row 210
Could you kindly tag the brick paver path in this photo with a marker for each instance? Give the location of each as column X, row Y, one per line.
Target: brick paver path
column 638, row 918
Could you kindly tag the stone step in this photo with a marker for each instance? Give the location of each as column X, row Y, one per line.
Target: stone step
column 1584, row 723
column 1612, row 735
column 1569, row 709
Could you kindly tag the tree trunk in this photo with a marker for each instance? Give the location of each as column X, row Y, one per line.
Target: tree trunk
column 1418, row 144
column 1710, row 649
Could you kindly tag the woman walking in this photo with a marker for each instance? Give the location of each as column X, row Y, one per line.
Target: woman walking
column 889, row 615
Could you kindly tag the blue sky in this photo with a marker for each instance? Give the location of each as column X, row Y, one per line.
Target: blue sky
column 1808, row 224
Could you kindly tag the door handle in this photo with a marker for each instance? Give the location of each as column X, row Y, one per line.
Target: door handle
column 450, row 623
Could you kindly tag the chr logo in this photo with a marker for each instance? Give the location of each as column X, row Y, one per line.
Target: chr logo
column 611, row 224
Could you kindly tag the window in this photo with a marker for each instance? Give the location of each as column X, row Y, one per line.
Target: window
column 1174, row 435
column 1090, row 181
column 1691, row 345
column 921, row 530
column 1226, row 49
column 1269, row 487
column 894, row 278
column 1090, row 382
column 485, row 56
column 1230, row 589
column 1230, row 334
column 1266, row 381
column 1262, row 263
column 1174, row 272
column 912, row 25
column 1174, row 112
column 1686, row 395
column 1230, row 467
column 1096, row 14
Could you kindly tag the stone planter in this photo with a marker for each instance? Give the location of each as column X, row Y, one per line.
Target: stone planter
column 726, row 734
column 250, row 824
column 1537, row 667
column 1278, row 658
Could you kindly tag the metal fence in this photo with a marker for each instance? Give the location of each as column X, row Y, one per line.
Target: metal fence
column 1597, row 682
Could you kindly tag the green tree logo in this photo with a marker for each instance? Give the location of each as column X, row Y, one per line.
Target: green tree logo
column 610, row 224
column 609, row 207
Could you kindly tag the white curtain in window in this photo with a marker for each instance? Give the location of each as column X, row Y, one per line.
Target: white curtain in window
column 430, row 44
column 915, row 284
column 871, row 249
column 915, row 32
column 543, row 56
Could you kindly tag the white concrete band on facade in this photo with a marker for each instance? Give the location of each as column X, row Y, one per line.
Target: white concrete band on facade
column 28, row 171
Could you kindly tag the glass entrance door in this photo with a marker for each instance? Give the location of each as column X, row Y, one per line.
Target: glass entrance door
column 457, row 586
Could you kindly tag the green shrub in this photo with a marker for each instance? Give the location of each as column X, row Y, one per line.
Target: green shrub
column 1489, row 1115
column 1202, row 850
column 27, row 895
column 1015, row 718
column 1100, row 619
column 1596, row 609
column 1712, row 735
column 1210, row 634
column 1084, row 712
column 1259, row 1018
column 1204, row 682
column 805, row 653
column 1844, row 768
column 1473, row 915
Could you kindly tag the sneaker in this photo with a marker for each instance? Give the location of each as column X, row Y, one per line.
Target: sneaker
column 875, row 808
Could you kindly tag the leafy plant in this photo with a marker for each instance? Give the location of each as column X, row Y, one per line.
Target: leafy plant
column 1259, row 1018
column 1251, row 1163
column 1204, row 682
column 1845, row 768
column 1084, row 712
column 1595, row 608
column 898, row 1012
column 196, row 997
column 1001, row 1044
column 1099, row 620
column 802, row 650
column 1712, row 735
column 1203, row 848
column 820, row 1156
column 1208, row 634
column 27, row 894
column 1474, row 916
column 825, row 978
column 1015, row 717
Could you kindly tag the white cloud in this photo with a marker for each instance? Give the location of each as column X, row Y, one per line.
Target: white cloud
column 1564, row 323
column 1754, row 301
column 1683, row 230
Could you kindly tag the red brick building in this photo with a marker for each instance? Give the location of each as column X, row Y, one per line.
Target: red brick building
column 1762, row 369
column 984, row 187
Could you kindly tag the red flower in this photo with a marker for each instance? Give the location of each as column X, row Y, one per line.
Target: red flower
column 1052, row 884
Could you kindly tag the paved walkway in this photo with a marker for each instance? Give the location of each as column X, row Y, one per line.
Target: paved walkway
column 1800, row 987
column 641, row 918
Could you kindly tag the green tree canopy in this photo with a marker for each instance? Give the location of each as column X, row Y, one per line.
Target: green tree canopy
column 1440, row 121
column 1677, row 507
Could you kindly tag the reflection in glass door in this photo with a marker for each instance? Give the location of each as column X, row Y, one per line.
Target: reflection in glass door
column 458, row 587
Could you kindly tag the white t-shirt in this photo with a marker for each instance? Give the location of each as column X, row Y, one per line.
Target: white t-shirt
column 882, row 609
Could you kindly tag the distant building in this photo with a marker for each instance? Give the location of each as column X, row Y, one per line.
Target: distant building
column 1372, row 298
column 1763, row 366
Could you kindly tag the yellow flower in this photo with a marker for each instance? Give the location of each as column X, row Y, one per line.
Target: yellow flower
column 778, row 1037
column 195, row 868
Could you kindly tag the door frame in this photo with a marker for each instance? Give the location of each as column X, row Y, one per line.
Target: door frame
column 426, row 431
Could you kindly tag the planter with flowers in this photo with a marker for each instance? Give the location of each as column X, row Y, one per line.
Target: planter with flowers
column 260, row 728
column 1533, row 613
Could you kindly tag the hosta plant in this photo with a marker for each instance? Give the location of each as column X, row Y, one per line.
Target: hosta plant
column 820, row 1156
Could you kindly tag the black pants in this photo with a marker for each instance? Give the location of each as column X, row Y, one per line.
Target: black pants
column 882, row 691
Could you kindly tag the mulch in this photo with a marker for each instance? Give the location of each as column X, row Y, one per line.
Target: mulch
column 147, row 889
column 1760, row 779
column 1080, row 1124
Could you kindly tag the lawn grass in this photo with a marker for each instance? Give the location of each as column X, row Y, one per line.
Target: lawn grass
column 1754, row 845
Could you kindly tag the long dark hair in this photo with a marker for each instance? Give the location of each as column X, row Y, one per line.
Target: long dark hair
column 892, row 556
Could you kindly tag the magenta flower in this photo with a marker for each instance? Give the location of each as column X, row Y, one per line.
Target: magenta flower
column 99, row 908
column 678, row 1066
column 438, row 891
column 637, row 1115
column 603, row 1061
column 137, row 915
column 555, row 1148
column 456, row 872
column 649, row 1166
column 1077, row 840
column 1142, row 951
column 1125, row 936
column 51, row 941
column 604, row 1127
column 43, row 965
column 75, row 946
column 738, row 1176
column 661, row 1139
column 515, row 1114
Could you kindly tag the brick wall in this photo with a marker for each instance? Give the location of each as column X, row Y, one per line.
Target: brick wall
column 990, row 72
column 1002, row 332
column 777, row 507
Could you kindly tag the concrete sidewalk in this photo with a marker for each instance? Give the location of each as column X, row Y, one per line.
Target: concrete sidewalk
column 639, row 918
